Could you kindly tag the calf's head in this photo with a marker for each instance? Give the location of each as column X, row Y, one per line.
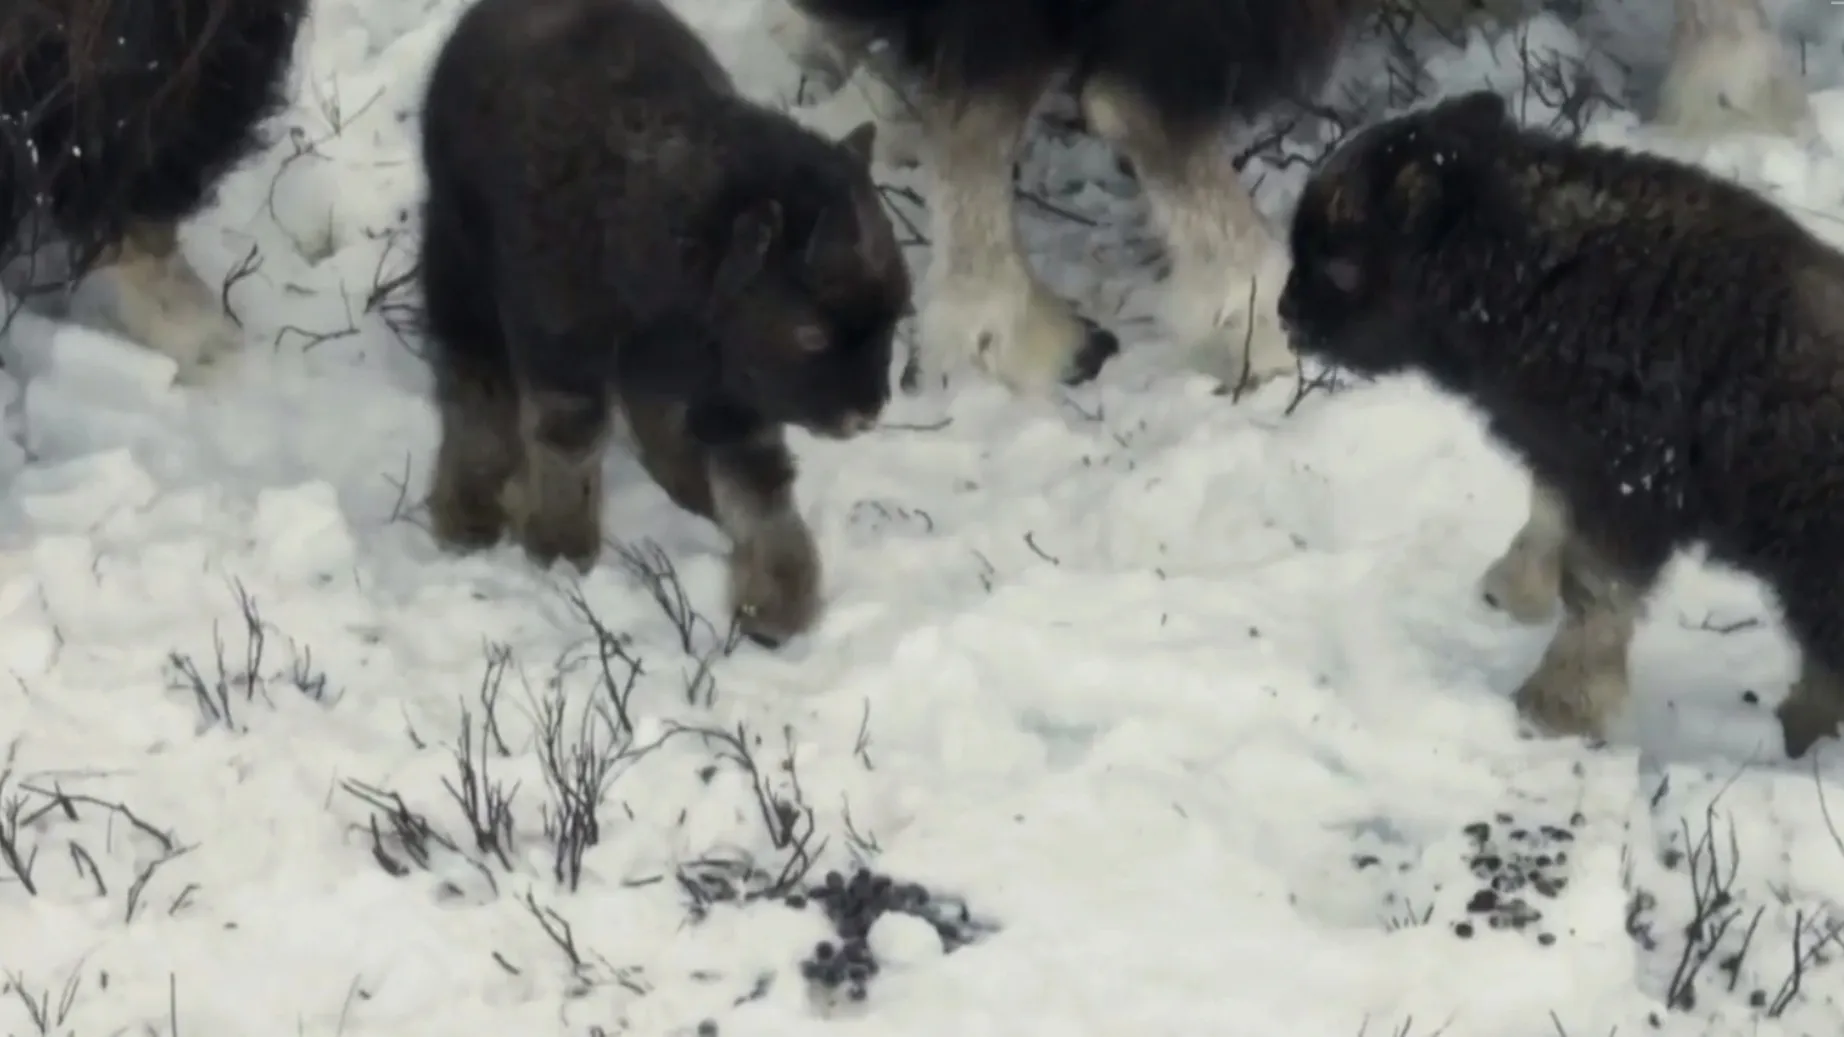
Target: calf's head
column 1368, row 234
column 806, row 299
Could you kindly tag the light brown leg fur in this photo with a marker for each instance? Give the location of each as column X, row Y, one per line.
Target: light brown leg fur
column 1525, row 580
column 855, row 86
column 480, row 453
column 556, row 504
column 983, row 304
column 1227, row 269
column 817, row 49
column 747, row 488
column 674, row 460
column 1729, row 71
column 159, row 300
column 1581, row 681
column 1813, row 709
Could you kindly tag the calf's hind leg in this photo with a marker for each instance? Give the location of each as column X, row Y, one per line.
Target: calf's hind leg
column 476, row 396
column 556, row 502
column 745, row 484
column 1525, row 580
column 1581, row 680
column 480, row 453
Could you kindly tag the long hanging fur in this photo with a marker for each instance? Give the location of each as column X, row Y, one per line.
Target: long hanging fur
column 1199, row 61
column 1161, row 80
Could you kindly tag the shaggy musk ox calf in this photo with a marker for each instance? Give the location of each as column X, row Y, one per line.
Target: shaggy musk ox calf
column 117, row 119
column 611, row 227
column 1160, row 80
column 1663, row 349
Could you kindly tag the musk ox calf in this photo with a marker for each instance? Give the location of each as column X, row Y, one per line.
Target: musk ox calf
column 1664, row 350
column 117, row 119
column 610, row 227
column 1158, row 79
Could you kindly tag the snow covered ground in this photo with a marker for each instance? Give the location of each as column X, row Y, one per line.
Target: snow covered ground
column 1183, row 709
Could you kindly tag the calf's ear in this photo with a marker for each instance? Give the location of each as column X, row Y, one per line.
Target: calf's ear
column 1424, row 195
column 1478, row 113
column 862, row 142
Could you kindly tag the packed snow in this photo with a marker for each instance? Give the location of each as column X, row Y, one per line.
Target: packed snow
column 1162, row 711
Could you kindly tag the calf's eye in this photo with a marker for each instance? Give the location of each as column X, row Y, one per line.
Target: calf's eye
column 1344, row 274
column 810, row 339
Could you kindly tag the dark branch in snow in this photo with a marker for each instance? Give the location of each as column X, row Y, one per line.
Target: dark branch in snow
column 48, row 1017
column 408, row 507
column 1712, row 938
column 249, row 266
column 485, row 802
column 216, row 692
column 51, row 815
column 738, row 876
column 581, row 760
column 1711, row 884
column 611, row 654
column 649, row 564
column 406, row 839
column 19, row 860
column 583, row 964
column 391, row 297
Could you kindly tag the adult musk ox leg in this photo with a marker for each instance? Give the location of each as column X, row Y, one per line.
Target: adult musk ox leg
column 983, row 303
column 159, row 300
column 1227, row 269
column 1163, row 80
column 1728, row 70
column 1581, row 680
column 1525, row 580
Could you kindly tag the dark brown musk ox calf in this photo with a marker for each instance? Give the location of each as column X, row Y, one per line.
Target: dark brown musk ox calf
column 1662, row 348
column 612, row 230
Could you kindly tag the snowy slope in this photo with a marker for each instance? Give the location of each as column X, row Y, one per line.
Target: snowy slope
column 1183, row 709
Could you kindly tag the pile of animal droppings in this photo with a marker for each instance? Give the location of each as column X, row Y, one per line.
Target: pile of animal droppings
column 855, row 905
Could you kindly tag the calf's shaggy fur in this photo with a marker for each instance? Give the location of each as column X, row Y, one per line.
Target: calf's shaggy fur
column 610, row 227
column 1728, row 71
column 1663, row 349
column 1160, row 80
column 117, row 119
